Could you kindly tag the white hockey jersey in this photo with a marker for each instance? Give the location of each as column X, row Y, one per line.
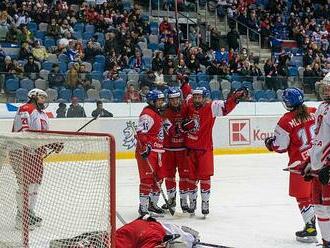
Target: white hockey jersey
column 28, row 117
column 320, row 150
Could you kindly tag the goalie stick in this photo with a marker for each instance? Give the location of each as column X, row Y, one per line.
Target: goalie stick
column 154, row 176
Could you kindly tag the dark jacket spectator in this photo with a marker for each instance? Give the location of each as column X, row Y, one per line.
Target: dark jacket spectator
column 233, row 38
column 53, row 29
column 61, row 111
column 31, row 66
column 157, row 62
column 55, row 77
column 100, row 111
column 25, row 51
column 75, row 109
column 148, row 79
column 170, row 47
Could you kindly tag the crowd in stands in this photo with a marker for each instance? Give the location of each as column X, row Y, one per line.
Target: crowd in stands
column 110, row 50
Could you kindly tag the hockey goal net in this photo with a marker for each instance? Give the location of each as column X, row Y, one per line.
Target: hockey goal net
column 57, row 189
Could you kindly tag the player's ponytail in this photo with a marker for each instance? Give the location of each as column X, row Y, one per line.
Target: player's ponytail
column 302, row 113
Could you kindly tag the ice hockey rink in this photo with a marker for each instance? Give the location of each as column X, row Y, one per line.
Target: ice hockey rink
column 249, row 204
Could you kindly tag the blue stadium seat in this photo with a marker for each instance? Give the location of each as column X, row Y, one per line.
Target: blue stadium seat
column 269, row 94
column 97, row 75
column 293, row 71
column 79, row 27
column 90, row 28
column 248, row 85
column 21, row 95
column 65, row 94
column 27, row 84
column 236, row 85
column 32, row 26
column 216, row 95
column 77, row 35
column 153, row 27
column 63, row 58
column 148, row 62
column 11, row 85
column 98, row 67
column 127, row 6
column 258, row 94
column 47, row 65
column 120, row 84
column 203, row 84
column 123, row 76
column 108, row 84
column 201, row 76
column 87, row 35
column 80, row 93
column 106, row 94
column 236, row 77
column 99, row 59
column 49, row 42
column 118, row 95
column 153, row 46
column 63, row 67
column 39, row 35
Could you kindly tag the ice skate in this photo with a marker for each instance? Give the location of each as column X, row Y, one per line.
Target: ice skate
column 154, row 209
column 325, row 244
column 184, row 205
column 172, row 204
column 192, row 207
column 143, row 210
column 205, row 208
column 33, row 220
column 308, row 235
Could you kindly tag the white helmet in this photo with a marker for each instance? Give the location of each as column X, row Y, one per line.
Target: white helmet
column 324, row 89
column 33, row 96
column 37, row 92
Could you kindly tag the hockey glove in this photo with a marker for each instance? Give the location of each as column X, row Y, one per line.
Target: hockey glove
column 324, row 175
column 189, row 125
column 241, row 93
column 269, row 143
column 146, row 151
column 305, row 169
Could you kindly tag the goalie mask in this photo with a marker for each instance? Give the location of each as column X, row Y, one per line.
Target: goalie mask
column 39, row 98
column 174, row 98
column 324, row 89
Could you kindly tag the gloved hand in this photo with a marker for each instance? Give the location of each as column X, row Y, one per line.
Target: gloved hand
column 324, row 175
column 305, row 169
column 188, row 125
column 146, row 151
column 269, row 143
column 241, row 93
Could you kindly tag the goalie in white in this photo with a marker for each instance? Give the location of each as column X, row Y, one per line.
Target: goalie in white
column 27, row 162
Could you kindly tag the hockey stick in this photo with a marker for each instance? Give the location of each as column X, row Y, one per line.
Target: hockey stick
column 90, row 121
column 154, row 175
column 291, row 169
column 198, row 243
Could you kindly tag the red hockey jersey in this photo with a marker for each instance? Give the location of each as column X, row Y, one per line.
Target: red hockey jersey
column 201, row 137
column 28, row 117
column 174, row 138
column 150, row 130
column 293, row 136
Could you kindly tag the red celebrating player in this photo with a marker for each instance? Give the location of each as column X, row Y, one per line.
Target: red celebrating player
column 175, row 151
column 293, row 134
column 201, row 117
column 149, row 150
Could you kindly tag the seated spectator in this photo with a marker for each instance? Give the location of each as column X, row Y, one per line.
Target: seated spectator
column 148, row 79
column 71, row 51
column 65, row 27
column 25, row 36
column 13, row 34
column 73, row 77
column 159, row 80
column 131, row 95
column 75, row 110
column 143, row 93
column 182, row 67
column 100, row 111
column 193, row 64
column 170, row 77
column 84, row 78
column 157, row 61
column 8, row 67
column 31, row 66
column 170, row 47
column 39, row 52
column 308, row 57
column 137, row 62
column 55, row 78
column 221, row 56
column 93, row 48
column 111, row 43
column 255, row 70
column 22, row 18
column 165, row 26
column 53, row 29
column 25, row 52
column 61, row 111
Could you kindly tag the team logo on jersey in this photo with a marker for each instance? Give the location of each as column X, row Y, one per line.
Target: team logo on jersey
column 129, row 139
column 239, row 132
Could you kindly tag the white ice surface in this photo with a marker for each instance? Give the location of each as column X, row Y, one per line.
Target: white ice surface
column 249, row 204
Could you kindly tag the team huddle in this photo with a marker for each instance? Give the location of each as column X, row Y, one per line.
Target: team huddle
column 174, row 133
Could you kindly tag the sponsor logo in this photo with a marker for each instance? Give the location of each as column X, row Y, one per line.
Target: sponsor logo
column 129, row 140
column 259, row 135
column 239, row 132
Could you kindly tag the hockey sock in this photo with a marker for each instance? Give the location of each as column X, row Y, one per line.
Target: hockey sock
column 171, row 187
column 144, row 202
column 306, row 209
column 205, row 188
column 192, row 195
column 154, row 197
column 323, row 217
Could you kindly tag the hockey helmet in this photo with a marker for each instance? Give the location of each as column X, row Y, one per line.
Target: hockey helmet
column 154, row 95
column 324, row 89
column 201, row 91
column 292, row 98
column 173, row 92
column 34, row 95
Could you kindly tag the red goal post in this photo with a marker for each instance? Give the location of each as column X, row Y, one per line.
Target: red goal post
column 74, row 180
